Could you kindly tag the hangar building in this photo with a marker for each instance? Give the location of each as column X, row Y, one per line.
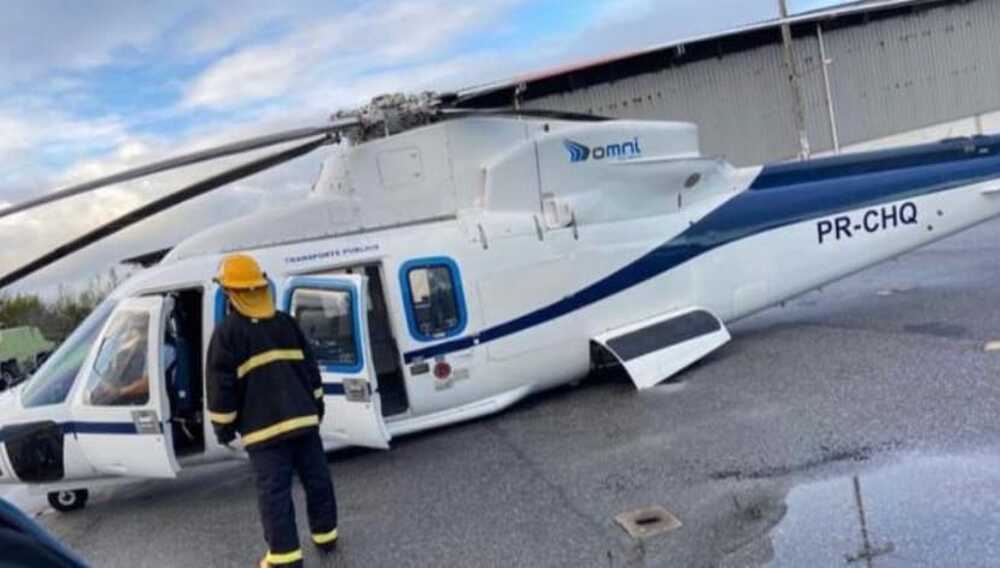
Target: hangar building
column 868, row 73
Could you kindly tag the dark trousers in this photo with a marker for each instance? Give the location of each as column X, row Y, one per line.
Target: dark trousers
column 273, row 467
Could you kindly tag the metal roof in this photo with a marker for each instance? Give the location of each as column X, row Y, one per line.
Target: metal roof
column 678, row 52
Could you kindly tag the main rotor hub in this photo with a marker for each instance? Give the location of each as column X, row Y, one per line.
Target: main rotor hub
column 394, row 113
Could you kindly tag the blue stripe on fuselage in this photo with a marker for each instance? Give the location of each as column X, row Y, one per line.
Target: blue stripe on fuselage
column 333, row 389
column 99, row 428
column 749, row 213
column 77, row 428
column 848, row 165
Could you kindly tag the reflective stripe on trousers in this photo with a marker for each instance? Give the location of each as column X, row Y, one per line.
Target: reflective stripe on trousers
column 273, row 468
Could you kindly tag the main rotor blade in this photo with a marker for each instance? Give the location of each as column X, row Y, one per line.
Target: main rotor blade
column 530, row 113
column 161, row 205
column 185, row 160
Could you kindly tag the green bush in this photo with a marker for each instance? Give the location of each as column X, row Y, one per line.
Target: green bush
column 56, row 318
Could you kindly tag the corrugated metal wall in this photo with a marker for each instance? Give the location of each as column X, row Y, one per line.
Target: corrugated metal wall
column 887, row 76
column 905, row 73
column 732, row 100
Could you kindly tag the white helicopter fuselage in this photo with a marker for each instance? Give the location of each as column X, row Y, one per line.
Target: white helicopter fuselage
column 552, row 238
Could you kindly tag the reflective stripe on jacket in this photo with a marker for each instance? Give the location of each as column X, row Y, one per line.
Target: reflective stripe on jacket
column 263, row 380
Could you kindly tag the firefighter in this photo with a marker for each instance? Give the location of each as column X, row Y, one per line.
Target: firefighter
column 264, row 384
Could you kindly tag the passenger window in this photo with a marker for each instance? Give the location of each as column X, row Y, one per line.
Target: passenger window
column 120, row 373
column 433, row 304
column 327, row 320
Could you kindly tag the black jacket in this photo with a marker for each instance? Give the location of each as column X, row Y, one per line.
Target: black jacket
column 25, row 543
column 263, row 381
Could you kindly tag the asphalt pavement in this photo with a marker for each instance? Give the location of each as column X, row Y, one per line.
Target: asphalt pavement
column 857, row 426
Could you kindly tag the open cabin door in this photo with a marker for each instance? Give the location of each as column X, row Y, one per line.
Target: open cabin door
column 121, row 413
column 333, row 314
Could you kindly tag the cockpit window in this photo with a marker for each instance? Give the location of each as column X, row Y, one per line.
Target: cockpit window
column 120, row 376
column 52, row 382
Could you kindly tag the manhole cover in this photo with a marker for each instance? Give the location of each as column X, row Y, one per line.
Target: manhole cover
column 648, row 522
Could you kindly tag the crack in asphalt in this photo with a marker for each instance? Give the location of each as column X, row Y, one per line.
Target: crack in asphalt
column 537, row 472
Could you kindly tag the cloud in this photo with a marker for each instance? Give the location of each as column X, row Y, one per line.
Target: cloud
column 345, row 47
column 44, row 36
column 249, row 75
column 37, row 137
column 221, row 27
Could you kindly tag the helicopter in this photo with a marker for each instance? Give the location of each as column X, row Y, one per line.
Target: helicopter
column 448, row 263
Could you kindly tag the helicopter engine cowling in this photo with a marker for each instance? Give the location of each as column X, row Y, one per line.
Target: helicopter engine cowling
column 565, row 171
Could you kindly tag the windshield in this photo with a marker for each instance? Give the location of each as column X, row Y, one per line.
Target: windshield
column 53, row 380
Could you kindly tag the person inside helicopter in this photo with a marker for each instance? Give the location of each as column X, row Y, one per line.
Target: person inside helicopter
column 183, row 375
column 121, row 369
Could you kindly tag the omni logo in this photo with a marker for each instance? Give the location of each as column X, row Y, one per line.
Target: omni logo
column 577, row 152
column 621, row 151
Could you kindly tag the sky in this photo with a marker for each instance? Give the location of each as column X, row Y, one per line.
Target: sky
column 89, row 88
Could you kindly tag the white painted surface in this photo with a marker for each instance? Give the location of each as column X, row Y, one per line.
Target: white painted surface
column 650, row 369
column 145, row 455
column 353, row 422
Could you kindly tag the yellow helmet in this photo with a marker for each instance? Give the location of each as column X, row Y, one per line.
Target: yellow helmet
column 240, row 272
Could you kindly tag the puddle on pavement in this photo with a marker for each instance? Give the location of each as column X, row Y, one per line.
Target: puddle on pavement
column 922, row 510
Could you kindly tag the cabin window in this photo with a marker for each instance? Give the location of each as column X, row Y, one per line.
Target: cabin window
column 330, row 325
column 435, row 308
column 120, row 372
